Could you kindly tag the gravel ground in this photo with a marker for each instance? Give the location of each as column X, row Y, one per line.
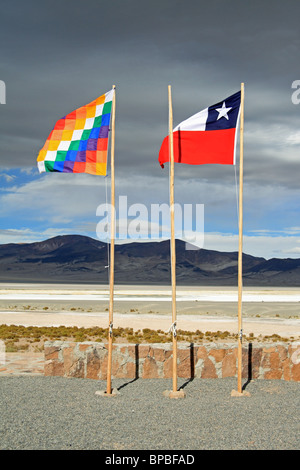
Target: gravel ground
column 54, row 413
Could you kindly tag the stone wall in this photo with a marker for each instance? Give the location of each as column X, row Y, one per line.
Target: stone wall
column 211, row 360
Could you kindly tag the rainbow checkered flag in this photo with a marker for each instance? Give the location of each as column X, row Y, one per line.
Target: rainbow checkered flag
column 78, row 142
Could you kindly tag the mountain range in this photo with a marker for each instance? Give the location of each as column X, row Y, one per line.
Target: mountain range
column 80, row 259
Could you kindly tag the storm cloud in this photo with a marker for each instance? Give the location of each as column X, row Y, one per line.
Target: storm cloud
column 59, row 55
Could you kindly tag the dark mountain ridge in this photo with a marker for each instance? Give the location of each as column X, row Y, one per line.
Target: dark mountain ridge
column 80, row 259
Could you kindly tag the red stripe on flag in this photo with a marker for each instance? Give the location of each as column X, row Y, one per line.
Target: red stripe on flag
column 200, row 147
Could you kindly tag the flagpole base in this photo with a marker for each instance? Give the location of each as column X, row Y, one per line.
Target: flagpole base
column 235, row 393
column 103, row 393
column 178, row 394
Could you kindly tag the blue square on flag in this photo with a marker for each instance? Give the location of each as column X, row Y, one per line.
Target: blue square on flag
column 224, row 114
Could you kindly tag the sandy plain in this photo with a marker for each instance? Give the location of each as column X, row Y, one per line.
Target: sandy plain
column 266, row 311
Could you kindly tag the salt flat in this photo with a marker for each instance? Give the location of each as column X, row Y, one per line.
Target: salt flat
column 265, row 310
column 145, row 293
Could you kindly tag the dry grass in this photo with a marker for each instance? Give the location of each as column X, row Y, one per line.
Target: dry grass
column 17, row 338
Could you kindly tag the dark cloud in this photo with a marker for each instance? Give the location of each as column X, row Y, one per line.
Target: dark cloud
column 59, row 55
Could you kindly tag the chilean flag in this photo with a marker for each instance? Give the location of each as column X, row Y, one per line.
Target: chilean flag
column 206, row 137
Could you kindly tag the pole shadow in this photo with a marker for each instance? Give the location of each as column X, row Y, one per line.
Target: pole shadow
column 249, row 366
column 179, row 146
column 137, row 364
column 192, row 366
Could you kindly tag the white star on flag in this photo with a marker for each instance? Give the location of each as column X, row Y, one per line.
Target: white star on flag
column 223, row 111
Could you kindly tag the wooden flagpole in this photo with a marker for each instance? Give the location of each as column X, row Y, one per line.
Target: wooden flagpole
column 173, row 252
column 112, row 246
column 174, row 393
column 240, row 255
